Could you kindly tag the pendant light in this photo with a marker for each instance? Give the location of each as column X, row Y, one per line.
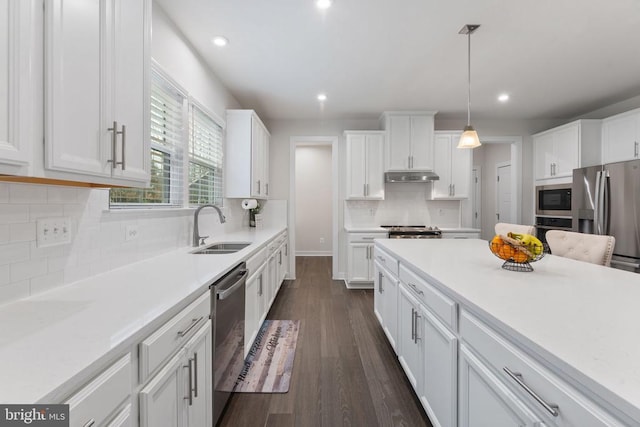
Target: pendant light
column 469, row 138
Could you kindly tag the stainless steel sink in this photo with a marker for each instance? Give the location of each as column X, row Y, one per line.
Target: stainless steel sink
column 221, row 248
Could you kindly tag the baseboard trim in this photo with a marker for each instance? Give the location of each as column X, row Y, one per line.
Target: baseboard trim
column 313, row 253
column 358, row 285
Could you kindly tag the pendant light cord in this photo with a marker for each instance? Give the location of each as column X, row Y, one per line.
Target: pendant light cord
column 469, row 79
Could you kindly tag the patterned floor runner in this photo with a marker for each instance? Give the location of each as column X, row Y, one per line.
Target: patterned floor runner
column 268, row 366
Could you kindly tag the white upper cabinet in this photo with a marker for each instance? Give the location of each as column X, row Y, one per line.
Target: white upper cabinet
column 18, row 77
column 97, row 57
column 453, row 166
column 365, row 175
column 560, row 150
column 246, row 156
column 409, row 143
column 621, row 137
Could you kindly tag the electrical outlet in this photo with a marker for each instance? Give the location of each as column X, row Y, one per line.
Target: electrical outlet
column 322, row 240
column 131, row 232
column 53, row 231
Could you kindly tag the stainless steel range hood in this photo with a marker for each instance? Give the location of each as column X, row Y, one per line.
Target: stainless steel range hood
column 411, row 176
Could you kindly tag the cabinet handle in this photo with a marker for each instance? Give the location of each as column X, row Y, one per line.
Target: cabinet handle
column 89, row 423
column 364, row 190
column 114, row 138
column 413, row 331
column 260, row 287
column 517, row 377
column 266, row 188
column 286, row 249
column 123, row 132
column 635, row 149
column 280, row 260
column 189, row 366
column 417, row 316
column 415, row 288
column 195, row 374
column 382, row 259
column 258, row 186
column 380, row 282
column 194, row 322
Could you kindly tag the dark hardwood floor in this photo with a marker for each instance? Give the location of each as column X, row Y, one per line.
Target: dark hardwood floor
column 345, row 372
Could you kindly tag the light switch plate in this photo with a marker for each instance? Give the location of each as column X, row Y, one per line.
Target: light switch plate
column 53, row 231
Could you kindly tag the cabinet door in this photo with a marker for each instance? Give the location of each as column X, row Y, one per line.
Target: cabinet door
column 265, row 162
column 199, row 350
column 16, row 81
column 253, row 308
column 399, row 143
column 442, row 166
column 78, row 55
column 410, row 338
column 375, row 166
column 257, row 158
column 543, row 156
column 378, row 293
column 440, row 365
column 358, row 262
column 566, row 146
column 285, row 259
column 390, row 308
column 163, row 399
column 422, row 157
column 356, row 166
column 460, row 171
column 620, row 138
column 485, row 401
column 131, row 87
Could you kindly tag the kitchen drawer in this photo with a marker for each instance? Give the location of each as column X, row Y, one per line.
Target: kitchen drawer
column 281, row 239
column 254, row 263
column 365, row 237
column 438, row 303
column 573, row 408
column 387, row 261
column 102, row 396
column 164, row 342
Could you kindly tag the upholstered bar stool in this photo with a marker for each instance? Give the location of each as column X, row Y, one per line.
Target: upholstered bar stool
column 504, row 227
column 591, row 248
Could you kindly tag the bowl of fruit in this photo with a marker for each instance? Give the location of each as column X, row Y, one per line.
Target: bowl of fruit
column 517, row 250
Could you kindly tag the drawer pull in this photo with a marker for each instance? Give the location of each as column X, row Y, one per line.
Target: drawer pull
column 189, row 367
column 194, row 322
column 517, row 377
column 89, row 423
column 382, row 259
column 415, row 288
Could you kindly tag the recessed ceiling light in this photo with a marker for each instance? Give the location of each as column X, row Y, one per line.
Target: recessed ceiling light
column 322, row 97
column 323, row 4
column 504, row 97
column 220, row 41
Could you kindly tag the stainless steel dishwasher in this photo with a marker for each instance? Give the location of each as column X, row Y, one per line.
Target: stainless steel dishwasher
column 227, row 315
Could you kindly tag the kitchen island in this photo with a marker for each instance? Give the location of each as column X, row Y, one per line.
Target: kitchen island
column 573, row 327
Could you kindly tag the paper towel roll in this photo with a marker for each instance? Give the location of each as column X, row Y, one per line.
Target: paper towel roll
column 249, row 204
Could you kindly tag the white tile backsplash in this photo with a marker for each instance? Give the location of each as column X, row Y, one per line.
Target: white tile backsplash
column 404, row 204
column 98, row 234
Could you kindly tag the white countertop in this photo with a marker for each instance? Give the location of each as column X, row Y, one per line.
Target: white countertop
column 582, row 317
column 50, row 341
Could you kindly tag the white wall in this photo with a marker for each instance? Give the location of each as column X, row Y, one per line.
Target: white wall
column 313, row 225
column 98, row 242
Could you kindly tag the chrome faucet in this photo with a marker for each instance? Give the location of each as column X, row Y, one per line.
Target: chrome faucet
column 197, row 238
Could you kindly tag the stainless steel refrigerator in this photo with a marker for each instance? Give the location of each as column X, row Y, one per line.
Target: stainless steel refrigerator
column 605, row 199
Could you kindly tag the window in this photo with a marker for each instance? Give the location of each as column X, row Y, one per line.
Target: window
column 205, row 158
column 170, row 144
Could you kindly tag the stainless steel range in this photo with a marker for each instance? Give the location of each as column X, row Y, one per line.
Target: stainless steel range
column 413, row 232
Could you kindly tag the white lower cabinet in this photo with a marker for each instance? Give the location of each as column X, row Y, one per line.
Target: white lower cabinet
column 485, row 401
column 180, row 394
column 254, row 306
column 410, row 342
column 386, row 302
column 95, row 403
column 360, row 256
column 440, row 355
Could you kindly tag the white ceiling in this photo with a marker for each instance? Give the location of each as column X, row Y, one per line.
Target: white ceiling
column 556, row 58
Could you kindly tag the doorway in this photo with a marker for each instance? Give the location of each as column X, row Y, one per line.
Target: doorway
column 503, row 192
column 313, row 198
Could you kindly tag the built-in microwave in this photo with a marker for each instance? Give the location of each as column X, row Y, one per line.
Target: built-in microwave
column 553, row 200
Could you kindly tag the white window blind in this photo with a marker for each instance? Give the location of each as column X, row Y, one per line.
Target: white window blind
column 167, row 150
column 205, row 158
